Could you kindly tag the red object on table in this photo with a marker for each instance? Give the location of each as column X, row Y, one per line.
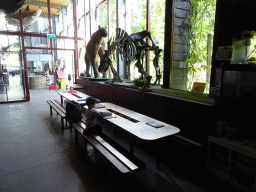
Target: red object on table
column 53, row 87
column 71, row 91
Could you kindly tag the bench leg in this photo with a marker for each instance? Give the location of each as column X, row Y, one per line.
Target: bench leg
column 115, row 132
column 61, row 99
column 85, row 145
column 70, row 128
column 132, row 145
column 158, row 154
column 62, row 124
column 76, row 137
column 51, row 110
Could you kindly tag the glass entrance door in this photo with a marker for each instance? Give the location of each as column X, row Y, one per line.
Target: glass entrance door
column 12, row 84
column 13, row 79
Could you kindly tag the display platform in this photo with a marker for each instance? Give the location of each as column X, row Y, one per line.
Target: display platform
column 94, row 79
column 132, row 86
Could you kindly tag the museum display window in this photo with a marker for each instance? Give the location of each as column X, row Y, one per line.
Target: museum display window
column 5, row 26
column 62, row 33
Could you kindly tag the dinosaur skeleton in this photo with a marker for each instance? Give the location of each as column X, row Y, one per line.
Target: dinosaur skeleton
column 131, row 47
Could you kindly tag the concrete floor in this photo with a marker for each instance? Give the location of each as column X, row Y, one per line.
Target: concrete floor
column 36, row 156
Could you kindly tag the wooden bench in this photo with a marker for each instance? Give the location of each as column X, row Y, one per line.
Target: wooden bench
column 186, row 141
column 60, row 110
column 118, row 157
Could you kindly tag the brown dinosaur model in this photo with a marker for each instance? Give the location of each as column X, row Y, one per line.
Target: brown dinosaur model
column 94, row 49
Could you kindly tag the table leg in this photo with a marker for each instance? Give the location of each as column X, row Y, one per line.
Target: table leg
column 158, row 154
column 62, row 124
column 132, row 145
column 6, row 93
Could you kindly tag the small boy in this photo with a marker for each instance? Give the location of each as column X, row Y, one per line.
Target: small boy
column 91, row 116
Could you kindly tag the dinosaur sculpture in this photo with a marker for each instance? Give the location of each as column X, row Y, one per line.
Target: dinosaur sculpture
column 94, row 49
column 11, row 6
column 131, row 47
column 28, row 17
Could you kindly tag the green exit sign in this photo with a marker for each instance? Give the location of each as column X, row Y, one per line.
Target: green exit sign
column 51, row 36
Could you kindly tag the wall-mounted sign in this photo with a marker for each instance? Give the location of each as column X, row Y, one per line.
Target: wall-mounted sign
column 52, row 36
column 198, row 87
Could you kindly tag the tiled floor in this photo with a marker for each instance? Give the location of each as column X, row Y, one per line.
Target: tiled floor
column 36, row 156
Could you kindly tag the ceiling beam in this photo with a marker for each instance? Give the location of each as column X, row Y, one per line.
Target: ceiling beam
column 55, row 6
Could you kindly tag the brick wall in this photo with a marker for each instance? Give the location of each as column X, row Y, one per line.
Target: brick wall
column 182, row 18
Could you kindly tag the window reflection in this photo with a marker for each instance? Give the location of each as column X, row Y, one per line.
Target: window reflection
column 4, row 26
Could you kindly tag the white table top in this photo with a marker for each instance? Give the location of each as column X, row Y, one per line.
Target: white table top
column 76, row 96
column 139, row 129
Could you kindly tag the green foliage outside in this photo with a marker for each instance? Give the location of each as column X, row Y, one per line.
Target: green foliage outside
column 252, row 51
column 138, row 23
column 202, row 24
column 10, row 60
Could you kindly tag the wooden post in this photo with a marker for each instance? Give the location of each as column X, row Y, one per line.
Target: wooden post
column 76, row 40
column 168, row 47
column 109, row 31
column 209, row 49
column 148, row 40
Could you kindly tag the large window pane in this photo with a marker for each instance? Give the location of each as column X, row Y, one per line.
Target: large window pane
column 4, row 25
column 137, row 16
column 102, row 14
column 81, row 54
column 157, row 27
column 81, row 18
column 66, row 64
column 136, row 22
column 194, row 28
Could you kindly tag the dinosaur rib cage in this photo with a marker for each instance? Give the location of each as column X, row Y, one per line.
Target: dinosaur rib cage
column 124, row 44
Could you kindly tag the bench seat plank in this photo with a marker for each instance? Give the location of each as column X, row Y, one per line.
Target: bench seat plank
column 59, row 103
column 107, row 155
column 120, row 161
column 187, row 140
column 56, row 108
column 59, row 110
column 92, row 141
column 60, row 107
column 116, row 153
